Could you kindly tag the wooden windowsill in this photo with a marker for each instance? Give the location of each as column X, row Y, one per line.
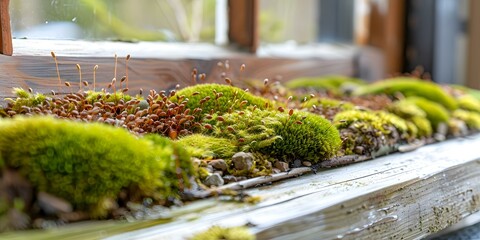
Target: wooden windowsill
column 401, row 196
column 167, row 50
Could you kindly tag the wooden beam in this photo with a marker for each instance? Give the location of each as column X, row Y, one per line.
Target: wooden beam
column 6, row 47
column 473, row 71
column 243, row 23
column 385, row 30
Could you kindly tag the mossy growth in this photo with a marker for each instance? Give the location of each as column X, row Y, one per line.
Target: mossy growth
column 289, row 136
column 333, row 83
column 424, row 127
column 176, row 165
column 472, row 119
column 224, row 233
column 262, row 165
column 435, row 113
column 88, row 164
column 219, row 98
column 93, row 97
column 409, row 87
column 364, row 132
column 469, row 102
column 25, row 99
column 328, row 103
column 470, row 91
column 208, row 147
column 418, row 124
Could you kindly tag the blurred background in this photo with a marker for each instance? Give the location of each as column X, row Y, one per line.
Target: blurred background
column 434, row 37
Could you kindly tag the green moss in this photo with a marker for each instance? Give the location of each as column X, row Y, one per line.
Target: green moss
column 25, row 99
column 410, row 87
column 87, row 164
column 472, row 119
column 364, row 132
column 469, row 102
column 231, row 98
column 176, row 165
column 208, row 147
column 218, row 233
column 106, row 97
column 413, row 114
column 302, row 135
column 470, row 91
column 328, row 103
column 424, row 126
column 435, row 113
column 406, row 109
column 332, row 83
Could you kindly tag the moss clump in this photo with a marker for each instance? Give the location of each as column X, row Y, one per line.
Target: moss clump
column 365, row 132
column 208, row 147
column 419, row 125
column 328, row 103
column 176, row 166
column 470, row 91
column 410, row 87
column 25, row 99
column 472, row 119
column 333, row 83
column 217, row 233
column 424, row 127
column 219, row 98
column 468, row 102
column 93, row 97
column 435, row 113
column 300, row 135
column 89, row 163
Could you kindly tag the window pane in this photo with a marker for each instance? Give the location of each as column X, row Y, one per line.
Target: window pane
column 306, row 21
column 150, row 20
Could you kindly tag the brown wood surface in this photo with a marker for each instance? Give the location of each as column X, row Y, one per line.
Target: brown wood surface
column 386, row 32
column 5, row 30
column 473, row 69
column 243, row 23
column 38, row 72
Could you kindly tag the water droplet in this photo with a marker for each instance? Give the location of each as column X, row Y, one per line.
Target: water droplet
column 74, row 19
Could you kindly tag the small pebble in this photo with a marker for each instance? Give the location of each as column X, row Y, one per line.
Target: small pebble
column 229, row 178
column 214, row 180
column 307, row 163
column 53, row 205
column 282, row 166
column 218, row 164
column 242, row 161
column 297, row 163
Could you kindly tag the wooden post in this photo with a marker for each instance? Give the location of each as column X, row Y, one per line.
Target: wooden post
column 473, row 71
column 385, row 31
column 243, row 23
column 5, row 31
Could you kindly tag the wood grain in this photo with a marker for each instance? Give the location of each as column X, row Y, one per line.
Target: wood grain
column 243, row 23
column 473, row 71
column 5, row 30
column 38, row 72
column 386, row 32
column 400, row 196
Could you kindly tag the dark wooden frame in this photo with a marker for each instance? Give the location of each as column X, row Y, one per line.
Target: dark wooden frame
column 6, row 47
column 473, row 71
column 243, row 23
